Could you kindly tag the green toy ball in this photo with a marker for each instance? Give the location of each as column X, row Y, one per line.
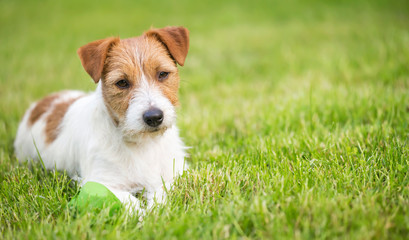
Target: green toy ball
column 94, row 197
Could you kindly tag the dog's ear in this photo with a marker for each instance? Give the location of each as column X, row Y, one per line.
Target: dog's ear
column 93, row 56
column 176, row 39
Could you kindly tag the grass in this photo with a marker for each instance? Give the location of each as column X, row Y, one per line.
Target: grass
column 297, row 113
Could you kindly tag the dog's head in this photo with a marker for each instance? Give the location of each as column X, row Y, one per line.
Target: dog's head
column 139, row 78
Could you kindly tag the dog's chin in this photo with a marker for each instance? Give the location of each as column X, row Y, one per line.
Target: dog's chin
column 148, row 132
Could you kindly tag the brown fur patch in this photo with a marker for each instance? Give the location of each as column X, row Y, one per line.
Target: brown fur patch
column 170, row 89
column 157, row 61
column 93, row 56
column 55, row 118
column 41, row 107
column 176, row 39
column 120, row 64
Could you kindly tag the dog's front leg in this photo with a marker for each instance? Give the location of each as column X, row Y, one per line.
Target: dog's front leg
column 157, row 196
column 132, row 204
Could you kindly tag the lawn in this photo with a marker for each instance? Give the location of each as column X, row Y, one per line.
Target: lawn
column 297, row 114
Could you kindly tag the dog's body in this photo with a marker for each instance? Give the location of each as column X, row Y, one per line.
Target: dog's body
column 123, row 135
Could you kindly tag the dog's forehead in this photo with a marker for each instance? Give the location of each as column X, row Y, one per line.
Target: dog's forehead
column 133, row 55
column 133, row 42
column 142, row 52
column 143, row 46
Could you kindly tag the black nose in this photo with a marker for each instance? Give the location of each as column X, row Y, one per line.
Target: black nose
column 153, row 117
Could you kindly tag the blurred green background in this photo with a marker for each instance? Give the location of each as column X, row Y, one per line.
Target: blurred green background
column 296, row 111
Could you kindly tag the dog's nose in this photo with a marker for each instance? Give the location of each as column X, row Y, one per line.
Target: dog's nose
column 153, row 117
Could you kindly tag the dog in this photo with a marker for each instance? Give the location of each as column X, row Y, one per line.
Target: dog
column 123, row 135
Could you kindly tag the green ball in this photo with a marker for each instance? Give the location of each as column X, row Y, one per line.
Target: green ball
column 94, row 197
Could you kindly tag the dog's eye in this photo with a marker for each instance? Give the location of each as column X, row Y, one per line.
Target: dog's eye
column 123, row 83
column 162, row 76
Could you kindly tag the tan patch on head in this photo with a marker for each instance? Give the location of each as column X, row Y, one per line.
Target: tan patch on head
column 170, row 89
column 93, row 56
column 176, row 40
column 159, row 60
column 120, row 64
column 41, row 107
column 55, row 118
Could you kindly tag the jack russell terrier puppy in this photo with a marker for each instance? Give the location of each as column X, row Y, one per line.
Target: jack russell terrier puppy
column 124, row 134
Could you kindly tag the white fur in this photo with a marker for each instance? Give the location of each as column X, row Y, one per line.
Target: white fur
column 127, row 159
